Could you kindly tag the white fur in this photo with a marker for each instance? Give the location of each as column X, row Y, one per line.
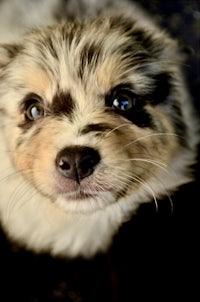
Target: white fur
column 33, row 219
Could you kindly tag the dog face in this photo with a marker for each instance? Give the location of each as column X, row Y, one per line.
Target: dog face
column 92, row 115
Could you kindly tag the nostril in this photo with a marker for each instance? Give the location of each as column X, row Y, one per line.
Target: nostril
column 77, row 162
column 63, row 164
column 66, row 164
column 87, row 162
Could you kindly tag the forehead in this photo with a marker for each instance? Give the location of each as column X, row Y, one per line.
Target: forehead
column 94, row 54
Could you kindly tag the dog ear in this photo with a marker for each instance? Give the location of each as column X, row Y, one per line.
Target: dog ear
column 7, row 53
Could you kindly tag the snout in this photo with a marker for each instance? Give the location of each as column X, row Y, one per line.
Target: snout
column 77, row 162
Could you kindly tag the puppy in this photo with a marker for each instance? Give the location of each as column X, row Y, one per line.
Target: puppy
column 95, row 120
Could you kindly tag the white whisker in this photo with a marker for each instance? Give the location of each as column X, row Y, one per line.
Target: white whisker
column 18, row 198
column 150, row 161
column 162, row 166
column 148, row 187
column 116, row 128
column 150, row 135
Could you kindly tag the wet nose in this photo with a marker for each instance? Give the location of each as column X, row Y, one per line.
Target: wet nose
column 77, row 162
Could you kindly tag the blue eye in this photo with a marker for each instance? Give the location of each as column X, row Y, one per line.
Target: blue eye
column 123, row 101
column 34, row 111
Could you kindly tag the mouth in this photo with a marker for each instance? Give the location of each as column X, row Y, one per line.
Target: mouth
column 86, row 197
column 90, row 195
column 72, row 191
column 69, row 190
column 79, row 195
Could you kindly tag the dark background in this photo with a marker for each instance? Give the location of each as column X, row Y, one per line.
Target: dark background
column 155, row 256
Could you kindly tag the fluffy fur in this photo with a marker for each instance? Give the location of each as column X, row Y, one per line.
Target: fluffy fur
column 102, row 91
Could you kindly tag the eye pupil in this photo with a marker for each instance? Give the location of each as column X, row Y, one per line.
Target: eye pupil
column 34, row 111
column 122, row 103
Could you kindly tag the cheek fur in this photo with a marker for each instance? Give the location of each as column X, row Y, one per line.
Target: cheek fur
column 35, row 151
column 129, row 156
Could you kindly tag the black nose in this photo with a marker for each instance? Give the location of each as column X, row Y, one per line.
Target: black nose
column 77, row 162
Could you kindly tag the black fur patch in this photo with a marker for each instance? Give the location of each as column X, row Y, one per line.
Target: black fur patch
column 62, row 104
column 162, row 87
column 145, row 39
column 138, row 36
column 12, row 50
column 89, row 58
column 137, row 114
column 120, row 23
column 102, row 127
column 140, row 117
column 51, row 48
column 160, row 95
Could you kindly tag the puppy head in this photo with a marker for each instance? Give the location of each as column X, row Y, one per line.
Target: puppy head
column 92, row 112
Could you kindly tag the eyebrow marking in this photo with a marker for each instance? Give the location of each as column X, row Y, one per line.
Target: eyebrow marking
column 101, row 127
column 63, row 103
